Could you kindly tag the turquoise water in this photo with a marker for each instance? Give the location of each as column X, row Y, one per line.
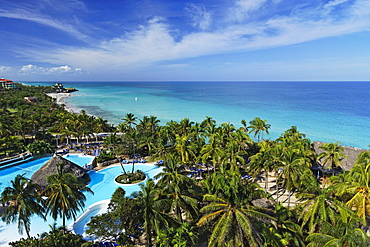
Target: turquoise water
column 324, row 111
column 27, row 169
column 30, row 167
column 102, row 183
column 80, row 160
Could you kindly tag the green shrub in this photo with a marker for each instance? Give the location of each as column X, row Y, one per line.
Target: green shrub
column 131, row 178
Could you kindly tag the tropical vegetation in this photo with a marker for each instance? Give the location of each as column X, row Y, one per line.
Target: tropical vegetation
column 208, row 190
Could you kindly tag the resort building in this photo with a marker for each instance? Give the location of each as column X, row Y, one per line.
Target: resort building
column 59, row 88
column 7, row 84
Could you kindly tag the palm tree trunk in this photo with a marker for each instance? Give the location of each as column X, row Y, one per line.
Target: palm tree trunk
column 148, row 235
column 133, row 165
column 266, row 180
column 25, row 228
column 277, row 188
column 290, row 195
column 120, row 162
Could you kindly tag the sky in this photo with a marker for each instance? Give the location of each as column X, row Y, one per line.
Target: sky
column 144, row 40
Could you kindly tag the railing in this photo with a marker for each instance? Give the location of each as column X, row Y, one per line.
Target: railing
column 15, row 160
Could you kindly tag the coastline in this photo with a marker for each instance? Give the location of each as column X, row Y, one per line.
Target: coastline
column 231, row 102
column 61, row 100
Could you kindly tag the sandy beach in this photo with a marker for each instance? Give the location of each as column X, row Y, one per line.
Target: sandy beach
column 60, row 100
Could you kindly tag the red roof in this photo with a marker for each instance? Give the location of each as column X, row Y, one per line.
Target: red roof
column 6, row 80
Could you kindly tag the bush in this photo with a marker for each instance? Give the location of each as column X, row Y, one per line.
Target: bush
column 105, row 156
column 131, row 178
column 55, row 238
column 40, row 147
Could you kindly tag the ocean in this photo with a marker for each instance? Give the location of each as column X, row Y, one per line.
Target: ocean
column 324, row 111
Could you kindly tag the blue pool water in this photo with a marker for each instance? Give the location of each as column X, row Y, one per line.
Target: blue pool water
column 30, row 167
column 102, row 183
column 80, row 160
column 27, row 169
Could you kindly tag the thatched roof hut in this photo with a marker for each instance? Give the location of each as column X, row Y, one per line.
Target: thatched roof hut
column 351, row 153
column 50, row 168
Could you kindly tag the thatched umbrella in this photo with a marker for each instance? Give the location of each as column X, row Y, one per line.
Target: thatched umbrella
column 50, row 168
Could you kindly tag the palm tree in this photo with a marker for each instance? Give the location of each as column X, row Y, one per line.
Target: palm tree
column 64, row 194
column 245, row 126
column 177, row 188
column 262, row 161
column 153, row 211
column 287, row 232
column 232, row 156
column 258, row 126
column 24, row 198
column 208, row 122
column 356, row 189
column 185, row 235
column 234, row 220
column 243, row 140
column 153, row 123
column 339, row 234
column 100, row 125
column 227, row 130
column 129, row 120
column 185, row 148
column 5, row 123
column 363, row 158
column 321, row 206
column 212, row 151
column 294, row 166
column 184, row 126
column 332, row 155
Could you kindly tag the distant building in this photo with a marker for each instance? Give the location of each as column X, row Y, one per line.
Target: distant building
column 7, row 84
column 59, row 88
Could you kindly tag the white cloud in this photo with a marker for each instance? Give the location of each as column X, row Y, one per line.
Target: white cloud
column 30, row 68
column 36, row 13
column 5, row 69
column 61, row 69
column 243, row 8
column 158, row 41
column 200, row 17
column 334, row 3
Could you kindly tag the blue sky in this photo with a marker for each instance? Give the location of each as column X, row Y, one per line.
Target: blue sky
column 121, row 40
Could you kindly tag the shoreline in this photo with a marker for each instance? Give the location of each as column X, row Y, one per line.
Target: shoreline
column 61, row 100
column 103, row 108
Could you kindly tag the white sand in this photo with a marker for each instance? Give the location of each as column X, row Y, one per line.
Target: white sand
column 60, row 100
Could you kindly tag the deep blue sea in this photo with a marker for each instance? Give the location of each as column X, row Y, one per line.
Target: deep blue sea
column 324, row 111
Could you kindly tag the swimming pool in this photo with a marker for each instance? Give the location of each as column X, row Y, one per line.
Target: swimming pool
column 26, row 168
column 80, row 160
column 31, row 167
column 103, row 185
